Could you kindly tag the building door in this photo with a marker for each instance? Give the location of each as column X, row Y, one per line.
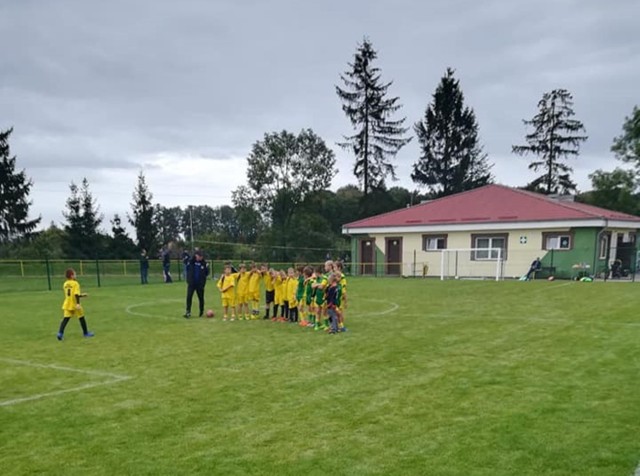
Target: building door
column 367, row 255
column 394, row 256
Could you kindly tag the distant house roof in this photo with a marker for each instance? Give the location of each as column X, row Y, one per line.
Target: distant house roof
column 495, row 204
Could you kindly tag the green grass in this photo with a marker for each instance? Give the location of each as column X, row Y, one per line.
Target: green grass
column 463, row 378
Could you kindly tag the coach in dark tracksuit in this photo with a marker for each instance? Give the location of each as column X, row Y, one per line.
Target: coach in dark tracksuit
column 197, row 272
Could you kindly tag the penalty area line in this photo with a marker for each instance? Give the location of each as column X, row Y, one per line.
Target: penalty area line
column 112, row 379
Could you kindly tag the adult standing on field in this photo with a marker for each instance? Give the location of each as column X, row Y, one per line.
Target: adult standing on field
column 166, row 265
column 144, row 267
column 197, row 273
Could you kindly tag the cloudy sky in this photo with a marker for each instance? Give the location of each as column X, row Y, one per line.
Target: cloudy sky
column 182, row 89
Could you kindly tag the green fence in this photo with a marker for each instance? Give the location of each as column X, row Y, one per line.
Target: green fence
column 44, row 275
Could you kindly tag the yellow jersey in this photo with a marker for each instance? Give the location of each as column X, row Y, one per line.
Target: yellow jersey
column 242, row 283
column 291, row 287
column 226, row 285
column 254, row 281
column 71, row 289
column 268, row 282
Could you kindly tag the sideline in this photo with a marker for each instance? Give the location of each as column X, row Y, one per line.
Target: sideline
column 112, row 379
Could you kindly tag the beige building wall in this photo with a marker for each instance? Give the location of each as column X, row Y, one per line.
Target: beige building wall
column 523, row 246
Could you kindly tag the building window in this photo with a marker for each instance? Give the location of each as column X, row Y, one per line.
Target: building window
column 604, row 246
column 434, row 242
column 489, row 247
column 556, row 241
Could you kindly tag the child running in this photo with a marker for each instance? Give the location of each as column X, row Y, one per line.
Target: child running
column 71, row 306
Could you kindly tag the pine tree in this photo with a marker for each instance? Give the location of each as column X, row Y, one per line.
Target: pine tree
column 378, row 138
column 83, row 219
column 142, row 218
column 120, row 245
column 14, row 196
column 452, row 160
column 556, row 136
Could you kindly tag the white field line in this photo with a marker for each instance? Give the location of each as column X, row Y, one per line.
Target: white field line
column 130, row 309
column 550, row 320
column 394, row 307
column 637, row 471
column 112, row 379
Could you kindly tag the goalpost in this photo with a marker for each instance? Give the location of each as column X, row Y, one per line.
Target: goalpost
column 472, row 263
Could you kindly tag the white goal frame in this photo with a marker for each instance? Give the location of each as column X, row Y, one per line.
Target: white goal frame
column 468, row 252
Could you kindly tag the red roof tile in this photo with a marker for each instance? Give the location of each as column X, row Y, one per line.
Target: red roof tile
column 490, row 204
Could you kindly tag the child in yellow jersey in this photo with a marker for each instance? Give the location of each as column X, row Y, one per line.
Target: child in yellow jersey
column 269, row 290
column 242, row 292
column 71, row 306
column 279, row 283
column 254, row 291
column 292, row 289
column 226, row 285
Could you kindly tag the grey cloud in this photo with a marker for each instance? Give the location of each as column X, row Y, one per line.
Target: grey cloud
column 112, row 84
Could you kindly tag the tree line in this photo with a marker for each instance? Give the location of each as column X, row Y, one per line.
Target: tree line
column 287, row 211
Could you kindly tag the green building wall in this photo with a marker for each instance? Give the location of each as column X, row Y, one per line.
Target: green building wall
column 585, row 248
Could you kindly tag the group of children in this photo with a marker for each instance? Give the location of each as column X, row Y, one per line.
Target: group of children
column 314, row 298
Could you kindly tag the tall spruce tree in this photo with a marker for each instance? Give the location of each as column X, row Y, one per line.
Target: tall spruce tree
column 83, row 219
column 451, row 159
column 555, row 137
column 142, row 217
column 14, row 195
column 378, row 138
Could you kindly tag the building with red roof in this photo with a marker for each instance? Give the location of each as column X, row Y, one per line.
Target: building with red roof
column 497, row 230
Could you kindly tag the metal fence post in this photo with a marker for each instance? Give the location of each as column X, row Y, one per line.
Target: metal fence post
column 48, row 272
column 98, row 271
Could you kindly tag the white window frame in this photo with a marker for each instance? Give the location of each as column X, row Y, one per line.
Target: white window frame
column 490, row 250
column 550, row 245
column 604, row 247
column 426, row 239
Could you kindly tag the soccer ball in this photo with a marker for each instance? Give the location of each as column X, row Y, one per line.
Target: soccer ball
column 210, row 313
column 551, row 278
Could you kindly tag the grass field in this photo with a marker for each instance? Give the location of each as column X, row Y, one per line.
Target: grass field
column 432, row 378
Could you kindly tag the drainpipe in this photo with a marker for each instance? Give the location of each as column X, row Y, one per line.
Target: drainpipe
column 597, row 247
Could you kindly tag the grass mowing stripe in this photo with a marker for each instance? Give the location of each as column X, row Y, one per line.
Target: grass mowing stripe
column 113, row 379
column 461, row 378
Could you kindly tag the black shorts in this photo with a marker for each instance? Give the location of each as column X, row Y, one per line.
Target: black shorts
column 269, row 296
